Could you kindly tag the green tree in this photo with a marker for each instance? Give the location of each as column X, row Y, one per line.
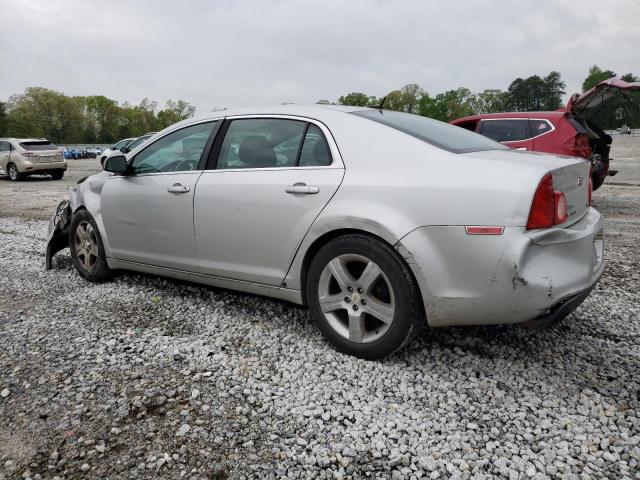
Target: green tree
column 355, row 99
column 490, row 101
column 4, row 121
column 553, row 90
column 596, row 75
column 174, row 112
column 630, row 77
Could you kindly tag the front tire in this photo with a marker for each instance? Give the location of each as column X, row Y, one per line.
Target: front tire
column 14, row 174
column 363, row 297
column 87, row 249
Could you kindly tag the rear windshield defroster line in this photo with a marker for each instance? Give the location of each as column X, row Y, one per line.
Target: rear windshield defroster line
column 439, row 134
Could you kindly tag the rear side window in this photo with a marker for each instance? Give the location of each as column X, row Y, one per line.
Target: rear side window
column 38, row 145
column 538, row 127
column 315, row 150
column 506, row 130
column 439, row 134
column 272, row 143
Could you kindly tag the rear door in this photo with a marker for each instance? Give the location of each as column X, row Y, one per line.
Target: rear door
column 270, row 177
column 512, row 132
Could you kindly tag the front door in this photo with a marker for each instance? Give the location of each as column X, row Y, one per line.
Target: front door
column 148, row 214
column 272, row 179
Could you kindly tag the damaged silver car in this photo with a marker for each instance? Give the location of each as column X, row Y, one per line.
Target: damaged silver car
column 380, row 222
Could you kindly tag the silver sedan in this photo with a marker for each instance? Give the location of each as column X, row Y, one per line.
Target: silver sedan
column 380, row 222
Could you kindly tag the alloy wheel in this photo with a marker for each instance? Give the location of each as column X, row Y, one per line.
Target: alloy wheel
column 13, row 172
column 356, row 298
column 86, row 245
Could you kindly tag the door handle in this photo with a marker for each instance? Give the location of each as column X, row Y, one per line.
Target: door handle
column 178, row 188
column 302, row 188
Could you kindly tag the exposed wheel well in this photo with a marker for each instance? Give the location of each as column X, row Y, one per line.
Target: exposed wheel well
column 323, row 240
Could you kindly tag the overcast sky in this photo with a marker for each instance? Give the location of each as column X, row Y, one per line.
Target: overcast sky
column 237, row 53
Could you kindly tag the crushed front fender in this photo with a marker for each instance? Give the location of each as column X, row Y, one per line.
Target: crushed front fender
column 58, row 236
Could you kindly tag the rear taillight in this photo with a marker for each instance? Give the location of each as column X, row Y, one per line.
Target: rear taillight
column 28, row 154
column 549, row 206
column 590, row 194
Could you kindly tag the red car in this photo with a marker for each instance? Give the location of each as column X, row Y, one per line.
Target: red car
column 571, row 130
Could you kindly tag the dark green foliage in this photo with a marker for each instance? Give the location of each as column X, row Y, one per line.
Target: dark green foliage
column 40, row 112
column 596, row 75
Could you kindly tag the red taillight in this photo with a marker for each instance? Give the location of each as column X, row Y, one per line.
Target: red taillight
column 27, row 153
column 590, row 194
column 549, row 206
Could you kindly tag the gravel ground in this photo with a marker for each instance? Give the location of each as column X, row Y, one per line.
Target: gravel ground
column 150, row 378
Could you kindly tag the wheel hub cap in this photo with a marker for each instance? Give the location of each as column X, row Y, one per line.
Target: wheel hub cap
column 356, row 298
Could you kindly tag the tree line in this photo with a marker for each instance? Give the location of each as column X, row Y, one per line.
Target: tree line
column 534, row 93
column 40, row 112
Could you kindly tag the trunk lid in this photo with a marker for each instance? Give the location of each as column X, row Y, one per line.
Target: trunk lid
column 601, row 102
column 573, row 181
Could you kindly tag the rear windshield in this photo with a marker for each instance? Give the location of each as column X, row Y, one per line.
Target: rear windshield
column 442, row 135
column 38, row 145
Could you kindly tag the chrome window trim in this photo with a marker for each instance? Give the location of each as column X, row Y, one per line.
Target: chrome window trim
column 553, row 127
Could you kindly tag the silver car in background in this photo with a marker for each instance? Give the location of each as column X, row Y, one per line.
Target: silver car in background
column 20, row 157
column 380, row 222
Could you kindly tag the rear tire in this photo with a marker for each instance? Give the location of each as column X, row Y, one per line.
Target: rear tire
column 57, row 174
column 87, row 249
column 14, row 174
column 363, row 297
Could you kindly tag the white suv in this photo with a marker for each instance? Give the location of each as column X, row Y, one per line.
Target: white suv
column 20, row 157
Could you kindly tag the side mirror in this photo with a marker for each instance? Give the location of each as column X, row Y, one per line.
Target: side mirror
column 123, row 149
column 116, row 164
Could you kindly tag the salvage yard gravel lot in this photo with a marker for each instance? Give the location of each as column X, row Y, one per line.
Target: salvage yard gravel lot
column 144, row 377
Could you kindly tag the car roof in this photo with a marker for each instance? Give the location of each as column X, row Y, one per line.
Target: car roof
column 550, row 115
column 318, row 112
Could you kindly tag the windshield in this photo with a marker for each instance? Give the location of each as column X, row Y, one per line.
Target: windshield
column 38, row 145
column 442, row 135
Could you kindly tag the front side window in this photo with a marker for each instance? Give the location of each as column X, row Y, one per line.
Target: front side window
column 439, row 134
column 176, row 152
column 538, row 127
column 4, row 146
column 506, row 130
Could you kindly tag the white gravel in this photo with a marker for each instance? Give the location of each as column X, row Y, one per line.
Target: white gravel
column 149, row 378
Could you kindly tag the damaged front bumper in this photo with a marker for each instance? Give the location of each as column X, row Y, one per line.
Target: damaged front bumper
column 58, row 235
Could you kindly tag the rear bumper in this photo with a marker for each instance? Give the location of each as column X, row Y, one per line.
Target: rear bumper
column 503, row 279
column 32, row 167
column 558, row 311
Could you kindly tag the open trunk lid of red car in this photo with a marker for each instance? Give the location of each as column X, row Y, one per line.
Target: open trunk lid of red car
column 604, row 98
